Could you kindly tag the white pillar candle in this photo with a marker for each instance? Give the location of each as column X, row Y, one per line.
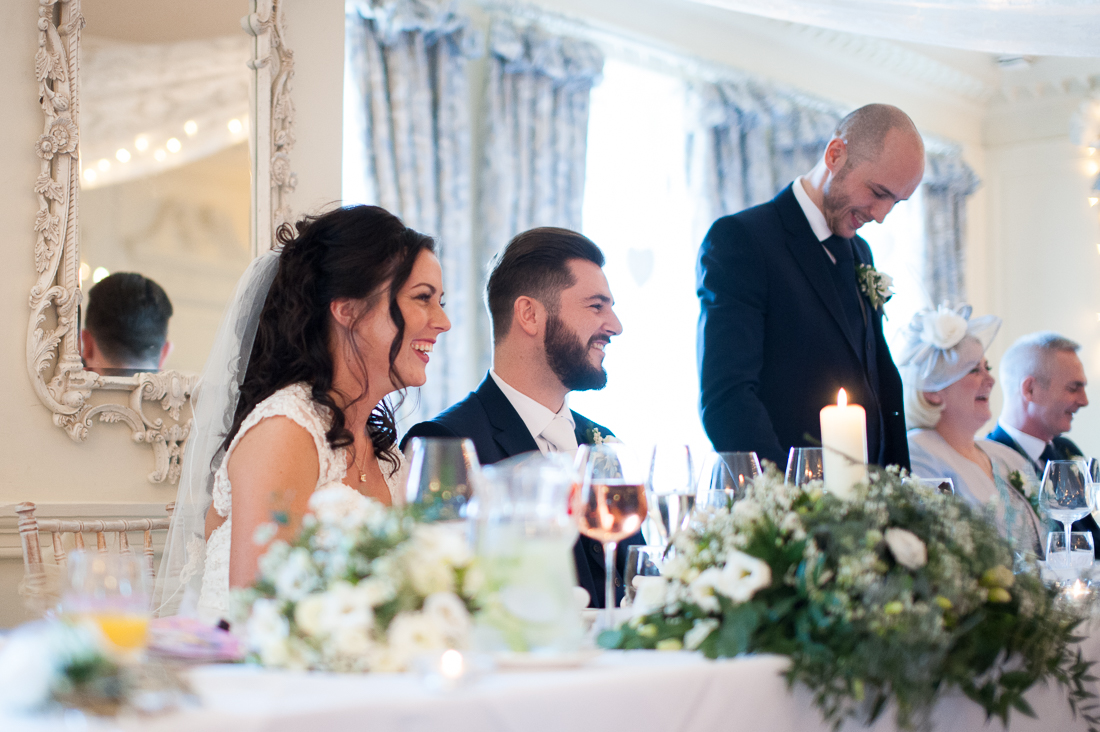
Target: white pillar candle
column 844, row 439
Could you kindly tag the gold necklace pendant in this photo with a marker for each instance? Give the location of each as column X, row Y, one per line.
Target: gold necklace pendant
column 362, row 476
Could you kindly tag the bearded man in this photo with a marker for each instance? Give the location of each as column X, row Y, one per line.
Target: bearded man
column 551, row 312
column 789, row 312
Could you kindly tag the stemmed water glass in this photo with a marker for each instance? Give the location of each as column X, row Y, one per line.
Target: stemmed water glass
column 443, row 472
column 610, row 506
column 1064, row 494
column 730, row 472
column 671, row 489
column 111, row 590
column 804, row 464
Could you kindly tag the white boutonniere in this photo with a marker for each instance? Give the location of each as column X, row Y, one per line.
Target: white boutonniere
column 595, row 438
column 877, row 286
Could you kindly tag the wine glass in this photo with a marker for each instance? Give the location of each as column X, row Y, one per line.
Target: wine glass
column 610, row 506
column 443, row 472
column 803, row 465
column 642, row 561
column 112, row 591
column 730, row 471
column 1076, row 554
column 1064, row 493
column 670, row 489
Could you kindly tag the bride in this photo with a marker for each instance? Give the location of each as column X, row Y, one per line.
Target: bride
column 344, row 313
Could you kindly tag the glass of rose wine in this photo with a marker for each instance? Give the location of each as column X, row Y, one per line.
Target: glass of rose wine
column 610, row 506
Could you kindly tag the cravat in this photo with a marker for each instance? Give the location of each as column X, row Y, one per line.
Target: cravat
column 559, row 433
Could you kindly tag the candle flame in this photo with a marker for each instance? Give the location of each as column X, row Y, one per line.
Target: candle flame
column 842, row 398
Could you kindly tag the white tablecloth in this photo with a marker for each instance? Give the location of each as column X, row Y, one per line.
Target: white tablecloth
column 634, row 691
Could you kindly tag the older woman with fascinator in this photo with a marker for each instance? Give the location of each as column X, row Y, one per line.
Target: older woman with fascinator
column 947, row 382
column 293, row 398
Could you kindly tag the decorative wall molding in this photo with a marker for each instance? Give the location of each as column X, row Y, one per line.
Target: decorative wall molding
column 273, row 127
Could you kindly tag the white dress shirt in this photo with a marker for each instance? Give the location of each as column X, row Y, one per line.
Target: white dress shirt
column 536, row 416
column 1033, row 446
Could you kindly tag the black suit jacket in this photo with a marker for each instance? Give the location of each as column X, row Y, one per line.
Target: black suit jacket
column 774, row 346
column 498, row 432
column 1064, row 449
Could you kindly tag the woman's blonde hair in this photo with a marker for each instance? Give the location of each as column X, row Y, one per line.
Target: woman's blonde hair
column 919, row 412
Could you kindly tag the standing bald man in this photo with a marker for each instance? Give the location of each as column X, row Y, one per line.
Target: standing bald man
column 785, row 322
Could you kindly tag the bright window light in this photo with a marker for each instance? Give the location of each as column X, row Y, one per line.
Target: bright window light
column 235, row 126
column 100, row 273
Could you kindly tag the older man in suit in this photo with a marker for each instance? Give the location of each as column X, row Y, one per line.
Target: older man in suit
column 551, row 310
column 1043, row 382
column 789, row 314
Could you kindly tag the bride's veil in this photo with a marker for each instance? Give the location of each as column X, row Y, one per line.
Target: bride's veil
column 213, row 403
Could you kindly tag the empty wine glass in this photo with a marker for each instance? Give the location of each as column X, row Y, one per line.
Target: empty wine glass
column 610, row 506
column 804, row 464
column 443, row 472
column 671, row 489
column 1064, row 493
column 729, row 471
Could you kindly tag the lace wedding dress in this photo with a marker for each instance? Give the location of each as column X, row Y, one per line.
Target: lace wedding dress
column 293, row 402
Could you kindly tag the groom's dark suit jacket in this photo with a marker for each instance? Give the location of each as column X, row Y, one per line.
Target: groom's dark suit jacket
column 778, row 337
column 1064, row 449
column 498, row 432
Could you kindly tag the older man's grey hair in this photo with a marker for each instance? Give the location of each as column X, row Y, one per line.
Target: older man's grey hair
column 1031, row 355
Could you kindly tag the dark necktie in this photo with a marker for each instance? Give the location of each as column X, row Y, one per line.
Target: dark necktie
column 1048, row 454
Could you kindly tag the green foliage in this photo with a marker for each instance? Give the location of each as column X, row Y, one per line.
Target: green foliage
column 897, row 595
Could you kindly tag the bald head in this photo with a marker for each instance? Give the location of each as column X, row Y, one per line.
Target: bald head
column 865, row 132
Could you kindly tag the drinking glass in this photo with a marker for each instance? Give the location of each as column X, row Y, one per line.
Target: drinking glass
column 112, row 591
column 1075, row 555
column 730, row 471
column 671, row 489
column 642, row 561
column 443, row 473
column 610, row 506
column 1064, row 493
column 942, row 485
column 803, row 465
column 716, row 500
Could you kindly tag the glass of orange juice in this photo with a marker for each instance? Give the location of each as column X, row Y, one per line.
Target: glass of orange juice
column 111, row 591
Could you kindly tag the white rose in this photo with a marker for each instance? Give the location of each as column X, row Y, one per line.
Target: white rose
column 649, row 594
column 450, row 613
column 907, row 548
column 307, row 614
column 742, row 576
column 699, row 633
column 267, row 631
column 943, row 328
column 377, row 590
column 297, row 577
column 412, row 634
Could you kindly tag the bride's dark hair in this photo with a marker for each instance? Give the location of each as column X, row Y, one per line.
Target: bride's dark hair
column 349, row 253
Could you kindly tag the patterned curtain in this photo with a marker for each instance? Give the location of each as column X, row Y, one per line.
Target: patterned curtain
column 532, row 171
column 947, row 183
column 747, row 142
column 407, row 149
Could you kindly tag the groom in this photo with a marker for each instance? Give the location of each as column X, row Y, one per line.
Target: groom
column 785, row 322
column 550, row 308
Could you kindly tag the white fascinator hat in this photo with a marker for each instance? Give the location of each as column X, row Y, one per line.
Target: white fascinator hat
column 942, row 345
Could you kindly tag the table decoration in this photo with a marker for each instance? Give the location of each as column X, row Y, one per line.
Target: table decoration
column 895, row 596
column 844, row 445
column 362, row 588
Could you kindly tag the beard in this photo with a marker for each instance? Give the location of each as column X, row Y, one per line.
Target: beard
column 835, row 202
column 567, row 356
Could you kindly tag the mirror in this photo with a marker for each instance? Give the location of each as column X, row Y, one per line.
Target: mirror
column 146, row 121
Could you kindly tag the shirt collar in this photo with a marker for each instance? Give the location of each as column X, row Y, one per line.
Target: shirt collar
column 812, row 212
column 1033, row 446
column 533, row 414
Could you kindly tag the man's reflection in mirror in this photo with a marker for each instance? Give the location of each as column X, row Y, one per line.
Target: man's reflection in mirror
column 125, row 326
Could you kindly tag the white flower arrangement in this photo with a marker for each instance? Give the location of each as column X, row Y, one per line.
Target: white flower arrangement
column 363, row 588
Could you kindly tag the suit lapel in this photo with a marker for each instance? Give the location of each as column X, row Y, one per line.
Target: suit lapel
column 810, row 255
column 509, row 430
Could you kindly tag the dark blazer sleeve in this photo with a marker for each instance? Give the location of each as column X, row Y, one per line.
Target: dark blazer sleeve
column 732, row 290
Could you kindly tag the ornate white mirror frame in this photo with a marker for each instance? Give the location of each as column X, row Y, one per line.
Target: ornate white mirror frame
column 74, row 395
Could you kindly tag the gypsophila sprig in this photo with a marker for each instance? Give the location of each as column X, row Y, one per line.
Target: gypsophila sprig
column 896, row 595
column 362, row 588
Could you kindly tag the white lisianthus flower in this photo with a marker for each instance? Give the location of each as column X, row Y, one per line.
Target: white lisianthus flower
column 297, row 577
column 377, row 590
column 907, row 548
column 267, row 631
column 307, row 613
column 742, row 576
column 701, row 590
column 699, row 632
column 649, row 595
column 412, row 634
column 943, row 328
column 448, row 610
